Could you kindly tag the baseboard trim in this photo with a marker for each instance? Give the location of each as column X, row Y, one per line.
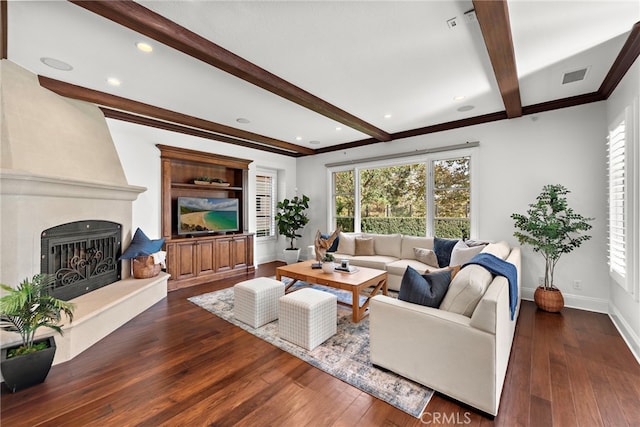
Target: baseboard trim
column 598, row 305
column 625, row 330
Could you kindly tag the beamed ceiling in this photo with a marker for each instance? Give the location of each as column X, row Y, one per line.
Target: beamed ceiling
column 308, row 77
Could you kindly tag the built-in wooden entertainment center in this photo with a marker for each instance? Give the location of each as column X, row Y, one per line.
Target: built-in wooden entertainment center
column 199, row 258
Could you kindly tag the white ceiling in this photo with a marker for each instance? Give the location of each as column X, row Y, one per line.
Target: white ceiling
column 369, row 58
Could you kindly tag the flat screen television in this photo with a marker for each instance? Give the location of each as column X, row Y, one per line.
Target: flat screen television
column 201, row 215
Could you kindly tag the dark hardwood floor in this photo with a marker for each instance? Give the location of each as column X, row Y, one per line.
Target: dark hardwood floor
column 179, row 365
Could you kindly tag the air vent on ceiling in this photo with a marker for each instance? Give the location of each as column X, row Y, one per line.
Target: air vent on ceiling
column 574, row 76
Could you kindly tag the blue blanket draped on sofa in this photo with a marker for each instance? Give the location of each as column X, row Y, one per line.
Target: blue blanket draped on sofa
column 500, row 267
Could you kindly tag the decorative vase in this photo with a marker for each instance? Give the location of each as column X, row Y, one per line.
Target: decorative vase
column 20, row 372
column 291, row 256
column 327, row 267
column 550, row 300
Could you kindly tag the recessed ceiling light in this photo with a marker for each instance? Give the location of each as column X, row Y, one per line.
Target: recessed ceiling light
column 144, row 47
column 466, row 108
column 338, row 128
column 387, row 116
column 243, row 120
column 314, row 142
column 459, row 98
column 298, row 138
column 113, row 81
column 56, row 63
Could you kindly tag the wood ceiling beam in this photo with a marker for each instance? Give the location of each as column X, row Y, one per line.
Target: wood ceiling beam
column 144, row 21
column 173, row 127
column 441, row 127
column 627, row 56
column 493, row 17
column 119, row 103
column 4, row 46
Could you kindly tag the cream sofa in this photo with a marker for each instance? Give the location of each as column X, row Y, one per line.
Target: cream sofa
column 460, row 349
column 392, row 252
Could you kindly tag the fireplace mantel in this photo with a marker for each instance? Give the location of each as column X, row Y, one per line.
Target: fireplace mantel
column 23, row 183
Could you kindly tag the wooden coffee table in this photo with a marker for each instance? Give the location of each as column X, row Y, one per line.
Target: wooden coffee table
column 355, row 282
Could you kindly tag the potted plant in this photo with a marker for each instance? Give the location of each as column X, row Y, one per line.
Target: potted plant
column 24, row 310
column 327, row 263
column 552, row 228
column 290, row 218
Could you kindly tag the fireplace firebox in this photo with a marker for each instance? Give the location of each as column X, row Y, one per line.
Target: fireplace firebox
column 82, row 256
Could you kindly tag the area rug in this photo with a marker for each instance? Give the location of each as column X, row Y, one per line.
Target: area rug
column 344, row 356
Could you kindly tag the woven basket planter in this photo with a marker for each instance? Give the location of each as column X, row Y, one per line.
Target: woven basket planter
column 144, row 268
column 550, row 300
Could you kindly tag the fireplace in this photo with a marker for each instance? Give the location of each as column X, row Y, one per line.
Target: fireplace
column 82, row 256
column 59, row 165
column 59, row 169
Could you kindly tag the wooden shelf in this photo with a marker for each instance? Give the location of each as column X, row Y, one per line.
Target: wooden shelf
column 205, row 187
column 207, row 257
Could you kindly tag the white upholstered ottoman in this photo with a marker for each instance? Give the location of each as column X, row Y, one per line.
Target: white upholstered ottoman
column 256, row 300
column 308, row 317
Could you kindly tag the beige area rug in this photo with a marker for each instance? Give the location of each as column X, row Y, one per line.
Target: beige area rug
column 345, row 355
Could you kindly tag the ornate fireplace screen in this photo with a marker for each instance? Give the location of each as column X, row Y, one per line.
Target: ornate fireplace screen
column 82, row 255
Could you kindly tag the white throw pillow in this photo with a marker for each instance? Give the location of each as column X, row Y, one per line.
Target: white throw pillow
column 500, row 249
column 466, row 290
column 462, row 253
column 347, row 244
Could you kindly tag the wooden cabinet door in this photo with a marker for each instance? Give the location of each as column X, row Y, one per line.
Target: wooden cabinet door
column 181, row 260
column 206, row 257
column 223, row 254
column 239, row 252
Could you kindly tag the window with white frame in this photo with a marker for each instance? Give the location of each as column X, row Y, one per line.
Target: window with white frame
column 426, row 195
column 266, row 184
column 619, row 201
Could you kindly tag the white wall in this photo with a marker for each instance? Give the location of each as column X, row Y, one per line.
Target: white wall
column 140, row 158
column 516, row 158
column 625, row 307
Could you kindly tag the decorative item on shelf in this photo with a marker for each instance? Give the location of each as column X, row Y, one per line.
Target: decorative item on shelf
column 321, row 244
column 551, row 228
column 327, row 263
column 290, row 218
column 216, row 182
column 24, row 310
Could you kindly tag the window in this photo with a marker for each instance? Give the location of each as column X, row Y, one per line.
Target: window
column 344, row 200
column 451, row 197
column 617, row 172
column 266, row 182
column 392, row 199
column 431, row 195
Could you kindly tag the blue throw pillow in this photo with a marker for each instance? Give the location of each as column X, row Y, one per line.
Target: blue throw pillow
column 443, row 248
column 334, row 245
column 424, row 289
column 141, row 245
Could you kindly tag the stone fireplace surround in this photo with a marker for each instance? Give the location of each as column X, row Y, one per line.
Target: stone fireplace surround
column 58, row 164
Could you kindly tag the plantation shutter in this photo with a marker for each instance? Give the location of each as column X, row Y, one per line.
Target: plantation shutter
column 265, row 206
column 617, row 227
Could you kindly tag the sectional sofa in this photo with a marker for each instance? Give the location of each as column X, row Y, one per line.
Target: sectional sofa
column 393, row 253
column 461, row 348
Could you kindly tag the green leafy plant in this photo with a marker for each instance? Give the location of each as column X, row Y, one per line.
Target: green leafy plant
column 328, row 258
column 291, row 217
column 551, row 227
column 29, row 307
